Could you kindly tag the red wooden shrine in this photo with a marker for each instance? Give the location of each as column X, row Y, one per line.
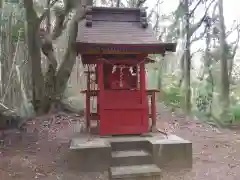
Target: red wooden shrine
column 114, row 44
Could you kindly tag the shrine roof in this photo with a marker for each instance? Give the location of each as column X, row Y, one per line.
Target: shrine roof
column 118, row 28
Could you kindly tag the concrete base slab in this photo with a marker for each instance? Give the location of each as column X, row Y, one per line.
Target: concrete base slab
column 143, row 172
column 95, row 154
column 84, row 143
column 173, row 152
column 89, row 155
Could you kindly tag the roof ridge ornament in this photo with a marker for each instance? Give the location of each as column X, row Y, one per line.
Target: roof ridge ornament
column 143, row 18
column 89, row 16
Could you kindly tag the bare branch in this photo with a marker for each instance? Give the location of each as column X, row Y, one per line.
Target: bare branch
column 214, row 10
column 198, row 51
column 236, row 44
column 140, row 3
column 152, row 11
column 194, row 9
column 198, row 24
column 157, row 22
column 161, row 35
column 59, row 24
column 47, row 48
column 196, row 38
column 45, row 13
column 232, row 30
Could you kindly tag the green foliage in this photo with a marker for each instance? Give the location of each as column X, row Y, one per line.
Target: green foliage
column 13, row 1
column 235, row 108
column 204, row 98
column 18, row 31
column 172, row 96
column 13, row 16
column 235, row 111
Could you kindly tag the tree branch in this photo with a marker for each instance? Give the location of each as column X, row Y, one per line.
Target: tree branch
column 193, row 53
column 45, row 13
column 236, row 44
column 196, row 38
column 69, row 58
column 47, row 48
column 140, row 3
column 152, row 11
column 194, row 9
column 197, row 25
column 232, row 30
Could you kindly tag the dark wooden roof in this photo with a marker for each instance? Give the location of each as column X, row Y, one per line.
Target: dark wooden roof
column 119, row 29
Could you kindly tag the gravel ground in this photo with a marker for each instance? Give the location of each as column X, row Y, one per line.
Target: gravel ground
column 38, row 153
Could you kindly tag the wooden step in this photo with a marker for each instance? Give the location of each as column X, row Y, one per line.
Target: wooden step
column 139, row 172
column 125, row 144
column 131, row 157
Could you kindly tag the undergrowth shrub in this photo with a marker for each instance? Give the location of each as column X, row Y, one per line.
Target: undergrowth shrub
column 172, row 96
column 235, row 111
column 203, row 99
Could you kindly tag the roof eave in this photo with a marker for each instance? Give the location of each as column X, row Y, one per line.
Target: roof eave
column 153, row 48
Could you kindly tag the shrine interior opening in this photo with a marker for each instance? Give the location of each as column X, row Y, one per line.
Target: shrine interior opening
column 121, row 76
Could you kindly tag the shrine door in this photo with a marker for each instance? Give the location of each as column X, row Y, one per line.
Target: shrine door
column 123, row 111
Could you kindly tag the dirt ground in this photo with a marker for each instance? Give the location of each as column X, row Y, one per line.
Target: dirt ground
column 39, row 151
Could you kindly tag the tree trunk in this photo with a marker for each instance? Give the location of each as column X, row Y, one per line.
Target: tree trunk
column 48, row 89
column 7, row 62
column 48, row 19
column 2, row 46
column 34, row 48
column 187, row 62
column 118, row 3
column 56, row 81
column 208, row 68
column 224, row 68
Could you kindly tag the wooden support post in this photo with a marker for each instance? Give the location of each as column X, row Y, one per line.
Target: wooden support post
column 88, row 101
column 100, row 96
column 153, row 111
column 144, row 94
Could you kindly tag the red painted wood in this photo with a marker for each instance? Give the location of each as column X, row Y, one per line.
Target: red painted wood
column 95, row 92
column 93, row 59
column 122, row 113
column 120, row 109
column 151, row 115
column 144, row 95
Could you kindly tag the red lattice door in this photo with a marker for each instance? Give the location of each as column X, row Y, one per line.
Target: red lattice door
column 123, row 110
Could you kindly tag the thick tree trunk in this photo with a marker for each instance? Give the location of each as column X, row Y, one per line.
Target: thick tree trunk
column 187, row 62
column 224, row 67
column 35, row 55
column 56, row 81
column 48, row 89
column 69, row 60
